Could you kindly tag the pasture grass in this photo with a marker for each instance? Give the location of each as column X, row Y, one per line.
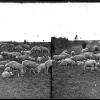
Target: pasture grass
column 73, row 83
column 30, row 86
column 27, row 87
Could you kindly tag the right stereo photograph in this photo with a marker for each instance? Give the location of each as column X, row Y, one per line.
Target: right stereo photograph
column 76, row 68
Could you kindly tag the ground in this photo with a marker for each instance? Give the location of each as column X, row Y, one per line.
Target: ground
column 72, row 83
column 27, row 87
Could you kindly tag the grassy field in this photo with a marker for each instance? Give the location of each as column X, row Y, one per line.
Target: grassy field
column 73, row 84
column 27, row 87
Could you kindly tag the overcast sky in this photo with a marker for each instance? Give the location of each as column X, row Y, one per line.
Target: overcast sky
column 40, row 21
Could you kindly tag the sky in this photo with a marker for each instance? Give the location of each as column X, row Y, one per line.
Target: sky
column 41, row 21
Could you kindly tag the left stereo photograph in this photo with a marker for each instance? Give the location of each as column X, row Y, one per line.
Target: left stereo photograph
column 24, row 70
column 25, row 57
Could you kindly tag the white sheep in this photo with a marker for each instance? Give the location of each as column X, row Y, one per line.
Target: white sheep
column 67, row 62
column 85, row 50
column 16, row 66
column 15, row 53
column 22, row 57
column 98, row 65
column 8, row 69
column 72, row 53
column 80, row 63
column 66, row 55
column 96, row 56
column 31, row 58
column 30, row 65
column 4, row 62
column 59, row 57
column 90, row 64
column 44, row 50
column 79, row 57
column 26, row 52
column 48, row 64
column 88, row 55
column 65, row 51
column 6, row 74
column 40, row 67
column 40, row 59
column 2, row 67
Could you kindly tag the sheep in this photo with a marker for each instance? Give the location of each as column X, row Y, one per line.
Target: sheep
column 72, row 53
column 40, row 59
column 26, row 52
column 16, row 66
column 36, row 51
column 88, row 55
column 15, row 53
column 4, row 62
column 10, row 47
column 55, row 57
column 65, row 54
column 80, row 63
column 30, row 65
column 67, row 62
column 6, row 74
column 5, row 54
column 48, row 64
column 79, row 57
column 90, row 64
column 2, row 67
column 44, row 50
column 8, row 69
column 4, row 47
column 59, row 61
column 47, row 58
column 98, row 64
column 18, row 48
column 96, row 56
column 10, row 55
column 31, row 58
column 25, row 46
column 59, row 57
column 65, row 51
column 85, row 50
column 22, row 58
column 35, row 48
column 40, row 67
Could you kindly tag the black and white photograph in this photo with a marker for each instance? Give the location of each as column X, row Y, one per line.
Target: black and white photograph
column 49, row 50
column 76, row 52
column 25, row 58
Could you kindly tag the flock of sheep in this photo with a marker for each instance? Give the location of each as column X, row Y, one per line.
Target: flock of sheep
column 24, row 61
column 88, row 60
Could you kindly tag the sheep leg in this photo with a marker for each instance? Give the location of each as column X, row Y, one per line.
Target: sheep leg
column 18, row 74
column 32, row 70
column 38, row 70
column 47, row 70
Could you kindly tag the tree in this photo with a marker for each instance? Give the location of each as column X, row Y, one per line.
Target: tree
column 76, row 37
column 84, row 45
column 25, row 42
